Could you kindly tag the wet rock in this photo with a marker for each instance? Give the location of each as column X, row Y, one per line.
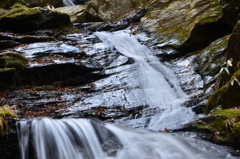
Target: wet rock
column 32, row 39
column 9, row 147
column 227, row 95
column 77, row 13
column 210, row 60
column 190, row 81
column 4, row 44
column 125, row 22
column 29, row 19
column 223, row 125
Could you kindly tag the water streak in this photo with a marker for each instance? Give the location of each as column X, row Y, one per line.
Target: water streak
column 161, row 87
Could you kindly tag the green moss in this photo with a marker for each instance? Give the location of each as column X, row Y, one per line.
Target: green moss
column 18, row 4
column 213, row 54
column 4, row 112
column 13, row 60
column 20, row 11
column 225, row 126
column 178, row 24
column 137, row 3
column 227, row 95
column 213, row 16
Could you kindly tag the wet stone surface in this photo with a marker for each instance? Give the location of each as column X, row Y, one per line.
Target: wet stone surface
column 103, row 82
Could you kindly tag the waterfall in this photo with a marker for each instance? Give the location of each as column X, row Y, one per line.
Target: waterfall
column 161, row 87
column 68, row 2
column 48, row 138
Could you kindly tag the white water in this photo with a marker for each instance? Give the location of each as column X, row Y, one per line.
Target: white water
column 161, row 87
column 47, row 138
column 68, row 2
column 82, row 139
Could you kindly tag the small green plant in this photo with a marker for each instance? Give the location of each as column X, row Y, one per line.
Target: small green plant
column 235, row 79
column 216, row 109
column 13, row 60
column 5, row 111
column 225, row 68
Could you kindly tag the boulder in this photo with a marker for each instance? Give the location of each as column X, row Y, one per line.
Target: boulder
column 234, row 49
column 77, row 13
column 223, row 125
column 227, row 96
column 29, row 19
column 185, row 25
column 111, row 10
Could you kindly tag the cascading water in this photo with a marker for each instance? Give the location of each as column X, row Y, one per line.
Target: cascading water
column 45, row 138
column 161, row 87
column 85, row 139
column 68, row 2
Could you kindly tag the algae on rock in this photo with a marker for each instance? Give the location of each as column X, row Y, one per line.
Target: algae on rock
column 77, row 13
column 111, row 10
column 4, row 112
column 227, row 96
column 225, row 126
column 29, row 19
column 186, row 25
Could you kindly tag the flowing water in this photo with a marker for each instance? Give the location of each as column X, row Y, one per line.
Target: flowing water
column 46, row 138
column 85, row 139
column 159, row 84
column 68, row 2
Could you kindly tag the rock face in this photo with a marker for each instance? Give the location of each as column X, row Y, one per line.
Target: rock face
column 31, row 3
column 186, row 25
column 222, row 127
column 110, row 10
column 29, row 19
column 80, row 13
column 228, row 95
column 77, row 13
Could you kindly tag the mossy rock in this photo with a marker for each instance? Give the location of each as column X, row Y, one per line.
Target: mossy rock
column 111, row 10
column 186, row 25
column 227, row 96
column 5, row 111
column 30, row 19
column 77, row 13
column 225, row 126
column 234, row 49
column 13, row 60
column 212, row 58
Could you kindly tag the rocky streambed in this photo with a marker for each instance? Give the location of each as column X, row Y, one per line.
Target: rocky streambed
column 71, row 73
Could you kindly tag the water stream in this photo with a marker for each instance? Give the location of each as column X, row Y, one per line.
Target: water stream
column 158, row 82
column 85, row 139
column 46, row 138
